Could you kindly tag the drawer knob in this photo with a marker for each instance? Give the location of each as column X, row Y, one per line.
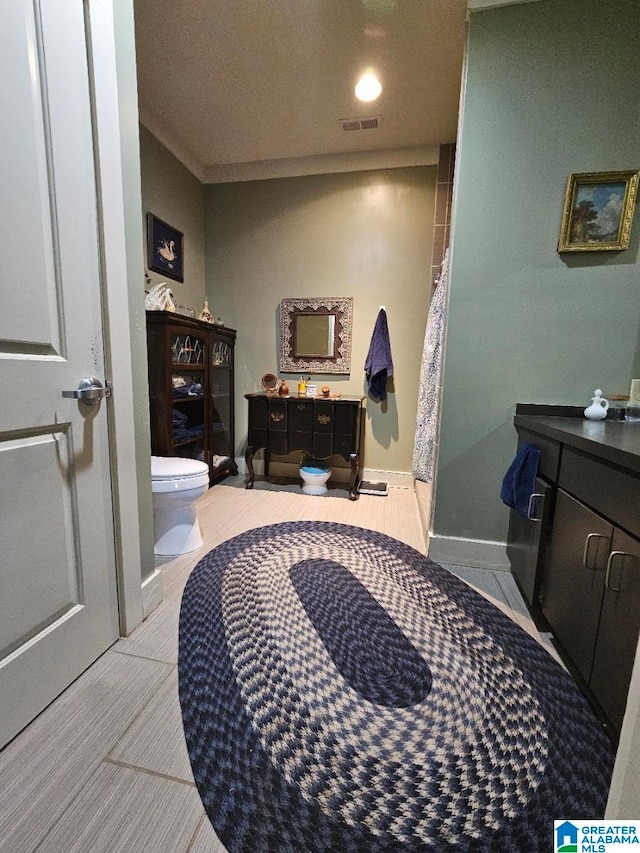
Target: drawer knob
column 277, row 416
column 324, row 419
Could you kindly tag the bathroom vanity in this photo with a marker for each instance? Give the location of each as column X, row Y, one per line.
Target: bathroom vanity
column 191, row 390
column 318, row 427
column 577, row 557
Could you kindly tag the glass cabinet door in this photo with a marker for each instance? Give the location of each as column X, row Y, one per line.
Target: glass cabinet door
column 221, row 403
column 188, row 409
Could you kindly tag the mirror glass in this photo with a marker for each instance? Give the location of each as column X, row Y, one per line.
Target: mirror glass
column 315, row 335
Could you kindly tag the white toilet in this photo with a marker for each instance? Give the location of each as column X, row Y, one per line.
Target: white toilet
column 177, row 484
column 314, row 477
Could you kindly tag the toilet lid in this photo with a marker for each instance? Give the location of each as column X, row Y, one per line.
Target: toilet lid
column 171, row 467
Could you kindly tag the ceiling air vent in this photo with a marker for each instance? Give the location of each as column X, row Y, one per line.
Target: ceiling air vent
column 371, row 123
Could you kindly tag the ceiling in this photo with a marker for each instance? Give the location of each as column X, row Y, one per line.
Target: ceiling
column 240, row 89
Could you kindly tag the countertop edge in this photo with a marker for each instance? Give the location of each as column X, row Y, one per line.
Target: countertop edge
column 614, row 442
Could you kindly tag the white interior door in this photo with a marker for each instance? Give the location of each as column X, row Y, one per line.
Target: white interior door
column 58, row 601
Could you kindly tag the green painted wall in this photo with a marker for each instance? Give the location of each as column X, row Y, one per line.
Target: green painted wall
column 172, row 193
column 367, row 235
column 551, row 88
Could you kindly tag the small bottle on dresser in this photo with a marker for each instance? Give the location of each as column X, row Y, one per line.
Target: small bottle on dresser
column 617, row 407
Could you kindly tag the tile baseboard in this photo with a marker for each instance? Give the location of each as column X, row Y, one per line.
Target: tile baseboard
column 151, row 592
column 480, row 553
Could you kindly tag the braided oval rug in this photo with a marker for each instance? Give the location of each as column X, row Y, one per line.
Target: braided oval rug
column 342, row 692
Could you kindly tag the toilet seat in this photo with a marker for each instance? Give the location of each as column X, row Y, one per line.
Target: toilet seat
column 175, row 474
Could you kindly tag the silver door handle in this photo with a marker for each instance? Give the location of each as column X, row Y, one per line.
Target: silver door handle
column 587, row 543
column 530, row 509
column 90, row 391
column 607, row 577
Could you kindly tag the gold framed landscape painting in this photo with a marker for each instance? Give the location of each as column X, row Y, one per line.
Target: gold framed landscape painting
column 598, row 211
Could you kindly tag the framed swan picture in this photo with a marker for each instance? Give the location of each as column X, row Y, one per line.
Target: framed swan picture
column 165, row 248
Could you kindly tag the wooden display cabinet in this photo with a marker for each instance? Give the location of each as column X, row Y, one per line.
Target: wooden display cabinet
column 191, row 390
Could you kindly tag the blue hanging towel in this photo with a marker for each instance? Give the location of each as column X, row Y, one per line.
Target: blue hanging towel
column 379, row 364
column 520, row 480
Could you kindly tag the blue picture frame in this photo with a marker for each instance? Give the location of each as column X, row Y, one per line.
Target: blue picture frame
column 165, row 248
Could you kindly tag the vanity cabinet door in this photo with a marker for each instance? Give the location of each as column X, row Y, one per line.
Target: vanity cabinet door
column 526, row 537
column 574, row 578
column 619, row 624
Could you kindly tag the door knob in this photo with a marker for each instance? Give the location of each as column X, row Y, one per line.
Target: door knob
column 90, row 391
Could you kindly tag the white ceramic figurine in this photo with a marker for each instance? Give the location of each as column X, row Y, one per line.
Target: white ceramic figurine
column 160, row 298
column 597, row 411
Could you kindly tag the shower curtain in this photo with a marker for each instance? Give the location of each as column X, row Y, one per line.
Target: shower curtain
column 430, row 379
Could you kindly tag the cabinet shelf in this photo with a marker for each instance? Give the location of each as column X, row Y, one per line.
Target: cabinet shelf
column 185, row 441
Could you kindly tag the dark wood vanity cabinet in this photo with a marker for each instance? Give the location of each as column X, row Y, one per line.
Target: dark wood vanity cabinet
column 528, row 536
column 191, row 390
column 587, row 584
column 526, row 540
column 592, row 600
column 591, row 581
column 317, row 427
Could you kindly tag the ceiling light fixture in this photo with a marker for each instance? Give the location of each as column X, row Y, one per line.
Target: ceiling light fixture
column 368, row 87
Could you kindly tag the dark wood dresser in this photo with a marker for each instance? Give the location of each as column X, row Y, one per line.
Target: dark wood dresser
column 318, row 427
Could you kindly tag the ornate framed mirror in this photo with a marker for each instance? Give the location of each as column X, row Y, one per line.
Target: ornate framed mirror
column 315, row 335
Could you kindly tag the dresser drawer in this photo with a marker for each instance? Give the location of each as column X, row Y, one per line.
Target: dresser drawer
column 610, row 491
column 301, row 416
column 277, row 416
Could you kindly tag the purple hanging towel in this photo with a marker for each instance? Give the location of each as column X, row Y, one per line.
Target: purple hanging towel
column 379, row 364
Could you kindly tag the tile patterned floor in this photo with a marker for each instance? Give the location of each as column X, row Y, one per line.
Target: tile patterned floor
column 104, row 769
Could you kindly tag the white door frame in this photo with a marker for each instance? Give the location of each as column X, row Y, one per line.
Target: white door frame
column 115, row 305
